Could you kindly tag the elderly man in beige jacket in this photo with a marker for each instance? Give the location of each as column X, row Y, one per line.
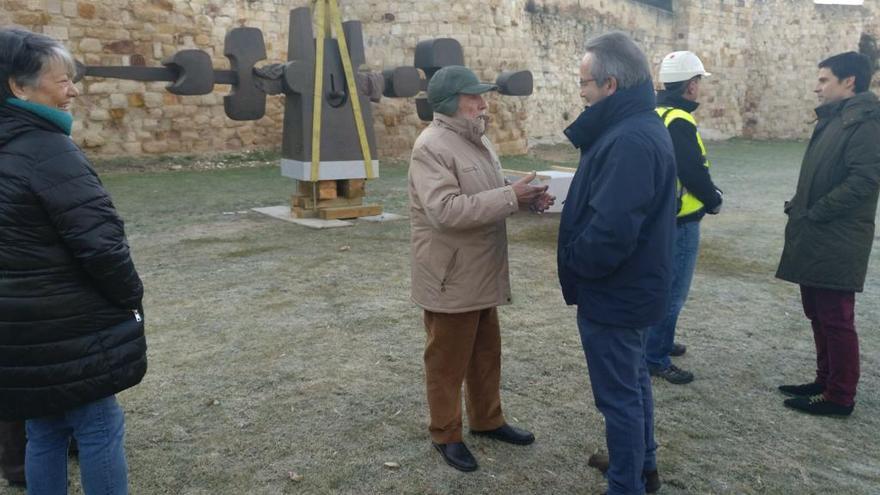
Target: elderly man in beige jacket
column 459, row 201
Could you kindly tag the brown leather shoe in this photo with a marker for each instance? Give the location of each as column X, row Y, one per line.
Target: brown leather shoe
column 601, row 462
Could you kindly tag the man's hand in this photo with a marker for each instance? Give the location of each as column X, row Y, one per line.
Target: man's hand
column 542, row 203
column 717, row 209
column 527, row 194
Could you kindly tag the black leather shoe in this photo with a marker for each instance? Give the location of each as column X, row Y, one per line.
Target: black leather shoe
column 805, row 390
column 678, row 350
column 652, row 478
column 16, row 484
column 508, row 434
column 818, row 405
column 673, row 374
column 652, row 481
column 457, row 455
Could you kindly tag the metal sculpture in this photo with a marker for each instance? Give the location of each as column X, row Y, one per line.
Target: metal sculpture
column 328, row 142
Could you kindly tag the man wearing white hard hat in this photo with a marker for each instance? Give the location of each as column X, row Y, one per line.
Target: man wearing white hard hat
column 681, row 74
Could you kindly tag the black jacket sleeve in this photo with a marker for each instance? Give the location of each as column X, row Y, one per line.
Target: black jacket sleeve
column 694, row 176
column 84, row 218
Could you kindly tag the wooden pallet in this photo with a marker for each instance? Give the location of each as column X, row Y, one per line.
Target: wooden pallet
column 332, row 199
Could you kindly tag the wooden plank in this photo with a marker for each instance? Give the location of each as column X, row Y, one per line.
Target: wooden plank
column 309, row 203
column 297, row 212
column 304, row 188
column 327, row 189
column 349, row 212
column 352, row 188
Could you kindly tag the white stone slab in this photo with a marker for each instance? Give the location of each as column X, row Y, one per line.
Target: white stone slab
column 351, row 169
column 282, row 212
column 385, row 217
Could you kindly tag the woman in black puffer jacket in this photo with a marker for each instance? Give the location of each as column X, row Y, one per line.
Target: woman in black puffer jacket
column 71, row 324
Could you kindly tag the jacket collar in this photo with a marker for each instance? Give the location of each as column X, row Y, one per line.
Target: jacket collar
column 828, row 110
column 16, row 121
column 61, row 120
column 858, row 108
column 467, row 129
column 598, row 118
column 667, row 99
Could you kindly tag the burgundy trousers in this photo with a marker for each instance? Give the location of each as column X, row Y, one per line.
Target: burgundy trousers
column 832, row 315
column 463, row 348
column 12, row 445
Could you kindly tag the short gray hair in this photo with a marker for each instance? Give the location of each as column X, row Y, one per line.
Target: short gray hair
column 616, row 55
column 25, row 55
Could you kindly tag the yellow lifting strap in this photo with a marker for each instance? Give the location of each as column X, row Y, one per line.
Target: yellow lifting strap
column 323, row 28
column 318, row 102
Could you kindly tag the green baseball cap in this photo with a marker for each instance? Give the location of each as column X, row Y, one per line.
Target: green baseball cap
column 451, row 81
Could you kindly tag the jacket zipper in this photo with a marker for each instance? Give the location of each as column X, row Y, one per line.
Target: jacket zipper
column 137, row 315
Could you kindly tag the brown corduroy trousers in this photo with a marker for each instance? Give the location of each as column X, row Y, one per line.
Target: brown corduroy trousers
column 463, row 347
column 12, row 445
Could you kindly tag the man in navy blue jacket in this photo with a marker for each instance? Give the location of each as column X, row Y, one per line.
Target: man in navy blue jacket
column 615, row 247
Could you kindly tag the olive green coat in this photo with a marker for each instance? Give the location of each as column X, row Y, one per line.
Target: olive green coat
column 830, row 226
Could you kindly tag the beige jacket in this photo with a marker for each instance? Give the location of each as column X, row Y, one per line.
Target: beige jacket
column 458, row 206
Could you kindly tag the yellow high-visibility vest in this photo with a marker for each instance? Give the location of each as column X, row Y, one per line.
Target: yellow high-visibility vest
column 689, row 203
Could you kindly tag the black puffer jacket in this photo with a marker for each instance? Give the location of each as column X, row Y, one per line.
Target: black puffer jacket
column 69, row 334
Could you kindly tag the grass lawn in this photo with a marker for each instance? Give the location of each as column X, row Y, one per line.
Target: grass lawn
column 279, row 352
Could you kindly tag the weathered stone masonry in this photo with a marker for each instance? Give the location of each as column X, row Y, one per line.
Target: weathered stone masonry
column 762, row 53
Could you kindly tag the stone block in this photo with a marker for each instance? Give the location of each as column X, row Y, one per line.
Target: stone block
column 130, row 86
column 68, row 9
column 120, row 47
column 93, row 139
column 99, row 114
column 133, row 148
column 90, row 45
column 136, row 100
column 57, row 32
column 86, row 10
column 31, row 19
column 117, row 113
column 155, row 146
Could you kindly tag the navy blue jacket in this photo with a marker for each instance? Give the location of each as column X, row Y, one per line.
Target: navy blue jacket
column 618, row 222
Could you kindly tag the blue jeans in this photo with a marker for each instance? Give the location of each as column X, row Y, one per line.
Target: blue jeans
column 99, row 428
column 661, row 337
column 622, row 391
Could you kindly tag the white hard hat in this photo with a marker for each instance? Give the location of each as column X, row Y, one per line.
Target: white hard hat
column 681, row 66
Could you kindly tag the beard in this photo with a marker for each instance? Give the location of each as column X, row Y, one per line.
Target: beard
column 481, row 123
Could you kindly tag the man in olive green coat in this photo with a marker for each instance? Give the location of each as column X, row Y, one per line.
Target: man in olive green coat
column 830, row 229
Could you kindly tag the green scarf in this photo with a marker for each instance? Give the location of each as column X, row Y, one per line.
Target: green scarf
column 58, row 117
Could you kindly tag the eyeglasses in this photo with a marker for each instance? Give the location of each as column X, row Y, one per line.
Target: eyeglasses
column 584, row 82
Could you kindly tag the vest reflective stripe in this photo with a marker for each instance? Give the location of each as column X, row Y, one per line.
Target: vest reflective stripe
column 689, row 203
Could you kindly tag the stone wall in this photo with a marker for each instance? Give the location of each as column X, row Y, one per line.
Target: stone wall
column 762, row 54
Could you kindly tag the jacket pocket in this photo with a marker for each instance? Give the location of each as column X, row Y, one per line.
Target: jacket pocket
column 447, row 273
